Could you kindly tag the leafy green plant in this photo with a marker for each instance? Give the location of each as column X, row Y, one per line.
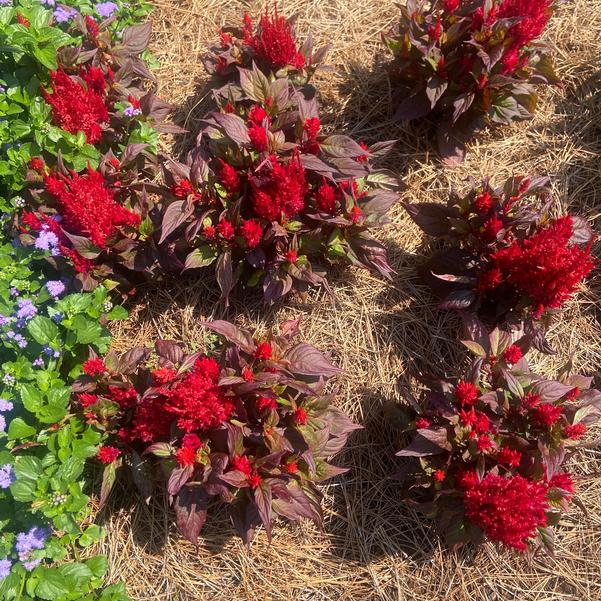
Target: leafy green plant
column 45, row 334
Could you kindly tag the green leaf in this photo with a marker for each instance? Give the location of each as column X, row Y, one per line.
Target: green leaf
column 43, row 329
column 117, row 312
column 86, row 330
column 53, row 585
column 31, row 397
column 19, row 429
column 98, row 565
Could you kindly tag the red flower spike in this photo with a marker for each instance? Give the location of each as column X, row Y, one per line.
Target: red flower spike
column 248, row 375
column 186, row 456
column 575, row 431
column 546, row 414
column 439, row 475
column 301, row 416
column 108, row 454
column 512, row 355
column 422, row 422
column 38, row 165
column 258, row 138
column 263, row 351
column 291, row 467
column 564, row 481
column 77, row 108
column 92, row 27
column 87, row 400
column 94, row 367
column 509, row 510
column 242, row 464
column 88, row 206
column 226, row 230
column 275, row 44
column 252, row 232
column 509, row 457
column 291, row 256
column 325, row 198
column 254, row 480
column 229, row 178
column 264, row 402
column 466, row 393
column 483, row 203
column 163, row 376
column 183, row 189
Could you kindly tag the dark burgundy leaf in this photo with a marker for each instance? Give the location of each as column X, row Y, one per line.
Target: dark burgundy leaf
column 191, row 511
column 225, row 275
column 234, row 127
column 306, row 360
column 175, row 214
column 262, row 495
column 170, row 350
column 233, row 334
column 109, row 476
column 131, row 360
column 431, row 217
column 551, row 391
column 427, row 442
column 136, row 37
column 179, row 476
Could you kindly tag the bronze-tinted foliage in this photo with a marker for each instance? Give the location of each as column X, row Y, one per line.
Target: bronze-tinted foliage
column 283, row 426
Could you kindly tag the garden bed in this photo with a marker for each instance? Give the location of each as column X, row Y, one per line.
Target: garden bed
column 381, row 333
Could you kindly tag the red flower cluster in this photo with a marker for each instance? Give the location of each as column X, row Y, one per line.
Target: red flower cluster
column 279, row 192
column 274, row 43
column 439, row 68
column 88, row 206
column 108, row 454
column 94, row 367
column 479, row 448
column 547, row 266
column 232, row 438
column 79, row 106
column 509, row 510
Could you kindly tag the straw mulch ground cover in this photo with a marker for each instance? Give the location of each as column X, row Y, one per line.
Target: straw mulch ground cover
column 381, row 333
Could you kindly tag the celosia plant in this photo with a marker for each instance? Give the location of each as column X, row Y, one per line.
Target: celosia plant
column 272, row 46
column 249, row 422
column 488, row 449
column 467, row 65
column 83, row 218
column 268, row 196
column 505, row 257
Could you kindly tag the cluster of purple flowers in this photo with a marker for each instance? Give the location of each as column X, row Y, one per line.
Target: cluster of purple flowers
column 5, row 564
column 63, row 14
column 28, row 542
column 106, row 9
column 132, row 111
column 27, row 310
column 47, row 240
column 4, row 407
column 55, row 288
column 7, row 475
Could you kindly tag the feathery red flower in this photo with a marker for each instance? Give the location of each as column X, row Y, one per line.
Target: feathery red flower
column 108, row 454
column 574, row 431
column 229, row 178
column 512, row 354
column 94, row 367
column 88, row 206
column 263, row 351
column 275, row 44
column 252, row 232
column 466, row 393
column 77, row 108
column 509, row 510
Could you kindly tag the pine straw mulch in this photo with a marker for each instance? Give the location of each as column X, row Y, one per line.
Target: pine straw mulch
column 380, row 333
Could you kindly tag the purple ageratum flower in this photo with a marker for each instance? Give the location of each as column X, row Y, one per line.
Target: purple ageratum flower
column 47, row 350
column 55, row 287
column 27, row 310
column 63, row 14
column 131, row 111
column 57, row 317
column 2, row 423
column 20, row 340
column 7, row 475
column 5, row 566
column 28, row 542
column 5, row 405
column 49, row 2
column 4, row 320
column 6, row 2
column 106, row 9
column 8, row 379
column 14, row 292
column 10, row 334
column 46, row 240
column 38, row 362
